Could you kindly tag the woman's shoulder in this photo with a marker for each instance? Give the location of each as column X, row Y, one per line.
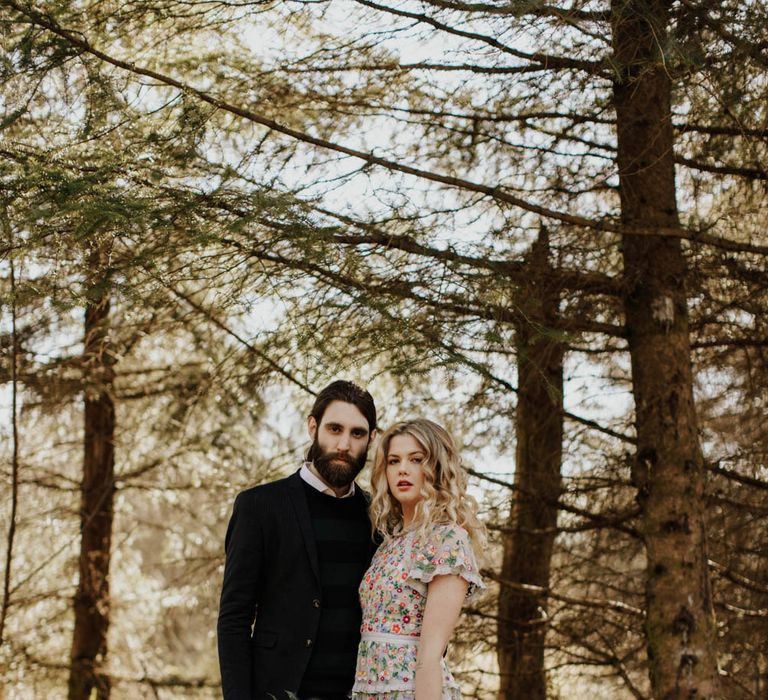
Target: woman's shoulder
column 447, row 531
column 439, row 537
column 446, row 550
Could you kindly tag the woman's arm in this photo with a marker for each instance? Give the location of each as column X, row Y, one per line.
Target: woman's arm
column 445, row 596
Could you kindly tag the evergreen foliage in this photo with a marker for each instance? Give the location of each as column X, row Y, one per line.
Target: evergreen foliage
column 293, row 192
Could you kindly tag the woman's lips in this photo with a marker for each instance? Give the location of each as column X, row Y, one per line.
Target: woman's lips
column 404, row 485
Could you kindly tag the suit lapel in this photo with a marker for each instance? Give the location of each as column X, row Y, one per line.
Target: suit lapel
column 299, row 500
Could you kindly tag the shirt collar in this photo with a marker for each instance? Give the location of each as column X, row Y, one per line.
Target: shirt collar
column 317, row 483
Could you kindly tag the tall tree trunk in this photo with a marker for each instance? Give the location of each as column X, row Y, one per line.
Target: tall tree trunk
column 89, row 641
column 14, row 455
column 533, row 519
column 669, row 469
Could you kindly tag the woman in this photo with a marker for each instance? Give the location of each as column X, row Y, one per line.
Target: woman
column 414, row 589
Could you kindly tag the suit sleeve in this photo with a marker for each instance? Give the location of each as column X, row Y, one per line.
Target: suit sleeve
column 237, row 609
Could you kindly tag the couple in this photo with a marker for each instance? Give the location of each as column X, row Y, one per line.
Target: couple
column 309, row 606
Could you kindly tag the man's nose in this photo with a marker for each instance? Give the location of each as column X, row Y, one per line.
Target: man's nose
column 343, row 444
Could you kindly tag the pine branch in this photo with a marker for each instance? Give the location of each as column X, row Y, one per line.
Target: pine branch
column 544, row 60
column 541, row 592
column 494, row 192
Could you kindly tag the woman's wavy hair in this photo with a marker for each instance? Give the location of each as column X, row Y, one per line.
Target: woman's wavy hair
column 444, row 494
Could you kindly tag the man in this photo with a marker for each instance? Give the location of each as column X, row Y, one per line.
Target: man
column 296, row 551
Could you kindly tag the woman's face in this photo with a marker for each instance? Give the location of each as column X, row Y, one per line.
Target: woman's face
column 405, row 471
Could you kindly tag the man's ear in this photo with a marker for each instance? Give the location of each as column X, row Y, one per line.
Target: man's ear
column 374, row 433
column 311, row 427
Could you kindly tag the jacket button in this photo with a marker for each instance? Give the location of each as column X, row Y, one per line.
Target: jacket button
column 315, row 603
column 308, row 643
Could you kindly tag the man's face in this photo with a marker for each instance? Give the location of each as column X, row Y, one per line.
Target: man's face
column 339, row 443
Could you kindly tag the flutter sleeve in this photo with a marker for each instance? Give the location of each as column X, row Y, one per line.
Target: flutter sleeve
column 447, row 550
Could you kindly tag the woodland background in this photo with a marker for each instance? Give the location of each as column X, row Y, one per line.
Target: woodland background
column 541, row 223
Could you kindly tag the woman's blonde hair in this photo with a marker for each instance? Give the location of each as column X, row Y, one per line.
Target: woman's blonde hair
column 444, row 494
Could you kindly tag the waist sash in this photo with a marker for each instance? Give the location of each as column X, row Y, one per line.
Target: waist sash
column 387, row 638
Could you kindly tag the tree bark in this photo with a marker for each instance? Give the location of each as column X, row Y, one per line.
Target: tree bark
column 89, row 640
column 14, row 457
column 669, row 469
column 533, row 518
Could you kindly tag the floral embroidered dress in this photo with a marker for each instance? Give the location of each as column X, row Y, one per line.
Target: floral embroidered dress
column 393, row 595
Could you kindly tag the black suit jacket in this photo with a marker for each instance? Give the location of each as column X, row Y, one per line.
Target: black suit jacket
column 271, row 597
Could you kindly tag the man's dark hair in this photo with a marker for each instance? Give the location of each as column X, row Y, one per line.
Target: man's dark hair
column 349, row 392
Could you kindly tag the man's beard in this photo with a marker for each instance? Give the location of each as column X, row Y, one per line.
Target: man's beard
column 337, row 470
